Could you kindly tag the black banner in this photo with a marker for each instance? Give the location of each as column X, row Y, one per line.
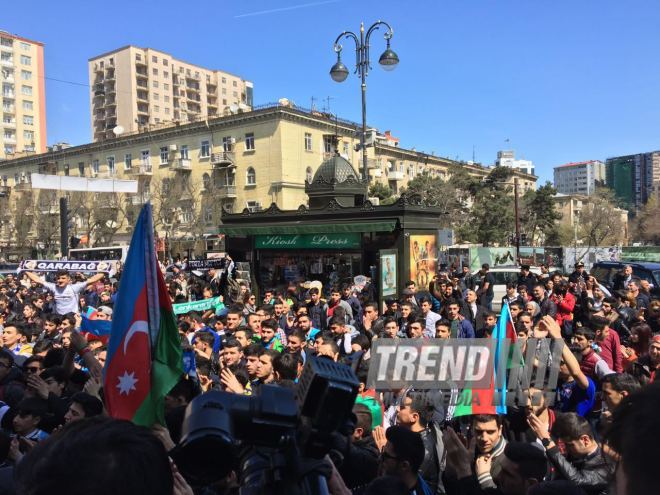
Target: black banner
column 206, row 264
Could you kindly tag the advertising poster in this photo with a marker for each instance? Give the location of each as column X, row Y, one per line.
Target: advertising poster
column 388, row 270
column 423, row 259
column 453, row 259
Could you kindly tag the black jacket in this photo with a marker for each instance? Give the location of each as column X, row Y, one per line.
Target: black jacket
column 359, row 464
column 592, row 473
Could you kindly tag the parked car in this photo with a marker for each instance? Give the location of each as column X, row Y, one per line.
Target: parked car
column 605, row 271
column 503, row 275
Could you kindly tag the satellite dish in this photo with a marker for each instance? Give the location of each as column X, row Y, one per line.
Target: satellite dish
column 118, row 130
column 233, row 108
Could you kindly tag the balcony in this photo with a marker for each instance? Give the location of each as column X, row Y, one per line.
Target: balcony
column 11, row 124
column 225, row 192
column 98, row 67
column 223, row 159
column 8, row 94
column 395, row 175
column 7, row 62
column 110, row 102
column 139, row 199
column 9, row 79
column 144, row 169
column 10, row 139
column 143, row 110
column 181, row 164
column 140, row 63
column 143, row 96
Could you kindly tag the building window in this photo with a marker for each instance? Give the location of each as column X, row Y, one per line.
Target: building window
column 235, row 94
column 156, row 96
column 308, row 175
column 25, row 46
column 166, row 99
column 184, row 151
column 26, row 90
column 27, row 105
column 28, row 120
column 25, row 60
column 66, row 169
column 346, row 149
column 308, row 141
column 167, row 111
column 164, row 155
column 234, row 83
column 95, row 166
column 154, row 58
column 249, row 141
column 166, row 186
column 204, row 149
column 208, row 215
column 128, row 161
column 26, row 75
column 138, row 56
column 154, row 72
column 156, row 108
column 111, row 165
column 251, row 177
column 224, row 91
column 81, row 169
column 328, row 146
column 154, row 84
column 166, row 74
column 165, row 62
column 206, row 182
column 28, row 136
column 144, row 157
column 166, row 86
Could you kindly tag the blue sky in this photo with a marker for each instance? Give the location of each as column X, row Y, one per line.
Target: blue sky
column 563, row 80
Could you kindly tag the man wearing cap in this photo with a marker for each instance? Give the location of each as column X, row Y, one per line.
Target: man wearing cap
column 526, row 278
column 579, row 273
column 67, row 294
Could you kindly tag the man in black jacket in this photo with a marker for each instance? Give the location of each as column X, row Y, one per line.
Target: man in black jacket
column 585, row 464
column 359, row 464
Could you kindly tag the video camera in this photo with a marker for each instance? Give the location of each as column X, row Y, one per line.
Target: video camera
column 276, row 439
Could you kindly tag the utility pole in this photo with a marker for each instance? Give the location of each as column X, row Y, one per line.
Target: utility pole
column 515, row 208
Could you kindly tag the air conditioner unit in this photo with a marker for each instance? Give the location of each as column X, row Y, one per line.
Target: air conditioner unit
column 173, row 147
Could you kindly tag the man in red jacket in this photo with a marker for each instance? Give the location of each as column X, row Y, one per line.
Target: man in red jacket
column 609, row 343
column 565, row 302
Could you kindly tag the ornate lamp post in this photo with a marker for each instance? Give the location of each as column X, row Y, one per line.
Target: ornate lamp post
column 339, row 72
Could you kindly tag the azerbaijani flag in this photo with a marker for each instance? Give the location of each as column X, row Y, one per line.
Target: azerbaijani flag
column 144, row 353
column 481, row 401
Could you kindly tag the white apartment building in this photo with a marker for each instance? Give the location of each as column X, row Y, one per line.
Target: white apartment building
column 507, row 158
column 579, row 177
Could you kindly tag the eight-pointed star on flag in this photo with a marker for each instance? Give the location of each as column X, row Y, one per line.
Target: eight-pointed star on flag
column 126, row 382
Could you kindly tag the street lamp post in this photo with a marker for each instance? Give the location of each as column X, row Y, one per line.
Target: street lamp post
column 339, row 72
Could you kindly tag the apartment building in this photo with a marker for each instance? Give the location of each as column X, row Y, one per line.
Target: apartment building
column 193, row 172
column 134, row 89
column 634, row 178
column 23, row 125
column 570, row 206
column 579, row 177
column 507, row 158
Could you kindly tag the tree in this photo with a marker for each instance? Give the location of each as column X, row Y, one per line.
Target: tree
column 598, row 225
column 646, row 227
column 452, row 195
column 21, row 224
column 382, row 192
column 539, row 216
column 48, row 221
column 491, row 218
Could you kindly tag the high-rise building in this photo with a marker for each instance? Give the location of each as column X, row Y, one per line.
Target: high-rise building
column 134, row 89
column 579, row 177
column 634, row 178
column 23, row 96
column 507, row 158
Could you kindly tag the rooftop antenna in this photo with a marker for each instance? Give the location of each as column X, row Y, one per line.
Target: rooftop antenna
column 327, row 103
column 473, row 159
column 314, row 98
column 336, row 138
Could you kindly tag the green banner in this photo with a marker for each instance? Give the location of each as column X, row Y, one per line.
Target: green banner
column 203, row 305
column 640, row 253
column 308, row 241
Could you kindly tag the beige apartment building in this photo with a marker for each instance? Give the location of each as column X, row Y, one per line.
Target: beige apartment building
column 23, row 125
column 570, row 206
column 192, row 172
column 133, row 89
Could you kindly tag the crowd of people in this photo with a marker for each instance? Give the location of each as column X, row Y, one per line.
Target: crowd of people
column 598, row 436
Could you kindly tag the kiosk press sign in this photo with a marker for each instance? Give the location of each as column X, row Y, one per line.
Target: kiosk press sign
column 308, row 241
